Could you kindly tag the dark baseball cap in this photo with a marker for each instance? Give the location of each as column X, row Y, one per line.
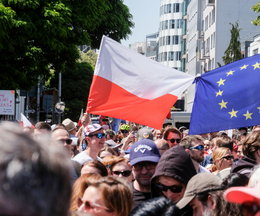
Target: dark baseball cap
column 144, row 150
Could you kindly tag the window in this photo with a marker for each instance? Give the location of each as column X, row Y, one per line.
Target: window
column 175, row 39
column 206, row 23
column 171, row 56
column 213, row 15
column 166, row 24
column 169, row 8
column 255, row 51
column 168, row 40
column 176, row 7
column 165, row 56
column 171, row 24
column 178, row 56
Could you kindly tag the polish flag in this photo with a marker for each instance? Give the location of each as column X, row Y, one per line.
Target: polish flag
column 129, row 86
column 25, row 122
column 80, row 117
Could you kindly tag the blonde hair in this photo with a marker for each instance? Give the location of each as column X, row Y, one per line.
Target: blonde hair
column 79, row 187
column 116, row 194
column 218, row 153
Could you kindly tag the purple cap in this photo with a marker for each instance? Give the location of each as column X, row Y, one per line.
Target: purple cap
column 144, row 150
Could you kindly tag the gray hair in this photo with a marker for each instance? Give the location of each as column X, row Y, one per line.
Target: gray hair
column 34, row 176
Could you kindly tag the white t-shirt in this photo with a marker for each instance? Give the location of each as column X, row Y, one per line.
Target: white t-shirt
column 82, row 158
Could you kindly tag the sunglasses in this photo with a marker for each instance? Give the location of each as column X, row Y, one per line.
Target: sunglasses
column 67, row 141
column 98, row 135
column 173, row 188
column 199, row 147
column 93, row 205
column 228, row 157
column 124, row 173
column 174, row 140
column 124, row 131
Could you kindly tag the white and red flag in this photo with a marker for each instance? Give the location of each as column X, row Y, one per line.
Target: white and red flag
column 80, row 117
column 129, row 86
column 25, row 122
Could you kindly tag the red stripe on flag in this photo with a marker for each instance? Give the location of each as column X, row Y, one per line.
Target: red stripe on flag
column 107, row 98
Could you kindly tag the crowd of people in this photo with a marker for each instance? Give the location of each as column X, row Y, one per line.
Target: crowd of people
column 67, row 169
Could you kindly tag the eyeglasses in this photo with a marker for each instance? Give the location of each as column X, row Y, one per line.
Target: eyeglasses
column 228, row 157
column 199, row 147
column 124, row 131
column 67, row 141
column 93, row 205
column 174, row 140
column 148, row 165
column 98, row 135
column 173, row 188
column 250, row 209
column 124, row 173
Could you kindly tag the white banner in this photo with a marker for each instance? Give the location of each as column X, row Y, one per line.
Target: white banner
column 7, row 102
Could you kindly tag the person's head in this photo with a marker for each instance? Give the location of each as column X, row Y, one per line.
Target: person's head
column 200, row 193
column 162, row 145
column 107, row 151
column 154, row 207
column 144, row 133
column 124, row 129
column 120, row 167
column 157, row 134
column 194, row 145
column 41, row 128
column 61, row 136
column 247, row 197
column 255, row 177
column 79, row 187
column 256, row 128
column 172, row 174
column 95, row 167
column 109, row 196
column 222, row 158
column 222, row 141
column 144, row 155
column 173, row 136
column 110, row 134
column 70, row 126
column 35, row 177
column 95, row 136
column 251, row 146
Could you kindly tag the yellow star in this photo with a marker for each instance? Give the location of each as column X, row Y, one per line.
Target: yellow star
column 219, row 93
column 230, row 73
column 221, row 82
column 243, row 67
column 223, row 104
column 258, row 109
column 248, row 115
column 256, row 65
column 233, row 113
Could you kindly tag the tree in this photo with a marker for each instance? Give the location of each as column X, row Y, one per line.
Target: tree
column 89, row 57
column 76, row 81
column 256, row 8
column 37, row 36
column 233, row 52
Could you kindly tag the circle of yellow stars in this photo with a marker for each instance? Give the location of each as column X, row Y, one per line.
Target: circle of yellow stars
column 223, row 104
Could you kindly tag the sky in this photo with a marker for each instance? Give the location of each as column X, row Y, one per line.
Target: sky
column 146, row 18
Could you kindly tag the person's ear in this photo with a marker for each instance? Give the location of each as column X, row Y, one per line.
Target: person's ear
column 211, row 203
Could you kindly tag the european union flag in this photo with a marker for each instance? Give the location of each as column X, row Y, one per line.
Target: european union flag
column 227, row 97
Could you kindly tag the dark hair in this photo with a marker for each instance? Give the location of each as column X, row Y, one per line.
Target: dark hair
column 43, row 125
column 99, row 166
column 251, row 144
column 235, row 180
column 157, row 206
column 173, row 130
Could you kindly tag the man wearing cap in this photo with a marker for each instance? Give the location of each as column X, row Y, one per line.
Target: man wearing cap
column 71, row 128
column 95, row 138
column 201, row 195
column 144, row 133
column 144, row 157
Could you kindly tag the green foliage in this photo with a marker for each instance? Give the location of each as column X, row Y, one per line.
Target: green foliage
column 256, row 8
column 89, row 57
column 37, row 36
column 233, row 52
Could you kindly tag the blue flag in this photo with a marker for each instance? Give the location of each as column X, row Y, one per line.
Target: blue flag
column 227, row 97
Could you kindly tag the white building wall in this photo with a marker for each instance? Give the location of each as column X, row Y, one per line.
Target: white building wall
column 169, row 52
column 254, row 47
column 217, row 33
